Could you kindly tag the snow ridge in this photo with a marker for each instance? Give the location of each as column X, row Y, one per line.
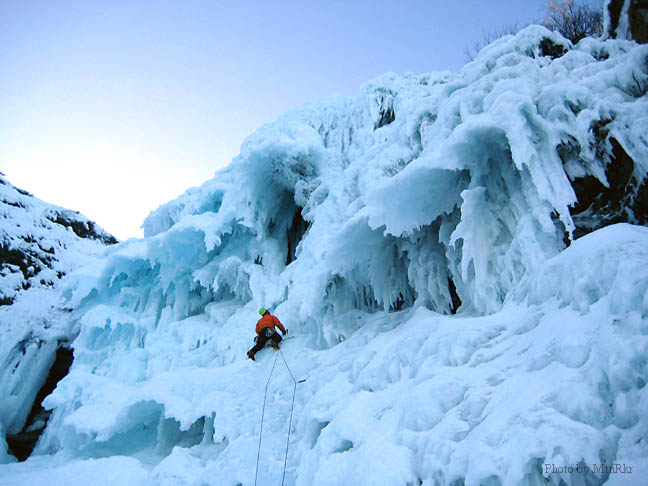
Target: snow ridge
column 39, row 242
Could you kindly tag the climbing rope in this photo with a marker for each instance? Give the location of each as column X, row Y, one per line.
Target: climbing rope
column 256, row 475
column 283, row 477
column 292, row 406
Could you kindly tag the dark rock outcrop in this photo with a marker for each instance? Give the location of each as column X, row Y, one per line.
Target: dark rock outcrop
column 627, row 19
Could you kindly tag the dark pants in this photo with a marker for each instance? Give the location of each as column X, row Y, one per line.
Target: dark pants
column 263, row 337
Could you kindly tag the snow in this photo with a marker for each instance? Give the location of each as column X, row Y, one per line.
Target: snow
column 362, row 223
column 41, row 242
column 100, row 472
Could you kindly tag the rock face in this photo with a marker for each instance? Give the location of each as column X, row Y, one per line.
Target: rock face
column 624, row 199
column 627, row 19
column 639, row 21
column 38, row 241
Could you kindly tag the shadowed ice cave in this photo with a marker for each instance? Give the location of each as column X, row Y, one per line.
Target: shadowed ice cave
column 22, row 444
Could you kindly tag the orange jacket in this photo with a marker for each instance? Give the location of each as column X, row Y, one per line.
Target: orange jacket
column 268, row 320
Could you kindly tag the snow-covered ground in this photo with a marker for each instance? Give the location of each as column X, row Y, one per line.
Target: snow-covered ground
column 459, row 258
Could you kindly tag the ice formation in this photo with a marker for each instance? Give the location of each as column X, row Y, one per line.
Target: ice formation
column 460, row 258
column 39, row 244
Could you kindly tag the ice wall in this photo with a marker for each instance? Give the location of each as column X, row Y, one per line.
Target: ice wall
column 434, row 188
column 364, row 223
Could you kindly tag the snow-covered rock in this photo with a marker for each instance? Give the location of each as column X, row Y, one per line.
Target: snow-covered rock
column 39, row 244
column 512, row 194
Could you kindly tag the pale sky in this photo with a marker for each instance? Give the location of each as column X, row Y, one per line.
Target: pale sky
column 114, row 107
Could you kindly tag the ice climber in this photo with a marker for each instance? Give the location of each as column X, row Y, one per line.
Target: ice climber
column 265, row 329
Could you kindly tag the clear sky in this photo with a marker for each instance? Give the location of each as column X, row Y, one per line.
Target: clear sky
column 114, row 107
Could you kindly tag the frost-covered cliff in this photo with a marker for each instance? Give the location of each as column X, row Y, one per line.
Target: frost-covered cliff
column 39, row 244
column 457, row 255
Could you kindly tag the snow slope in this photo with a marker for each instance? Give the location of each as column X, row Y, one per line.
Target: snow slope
column 39, row 244
column 459, row 256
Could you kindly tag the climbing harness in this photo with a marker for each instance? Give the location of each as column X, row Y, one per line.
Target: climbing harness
column 265, row 395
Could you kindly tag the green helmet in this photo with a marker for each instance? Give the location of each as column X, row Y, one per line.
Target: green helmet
column 262, row 310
